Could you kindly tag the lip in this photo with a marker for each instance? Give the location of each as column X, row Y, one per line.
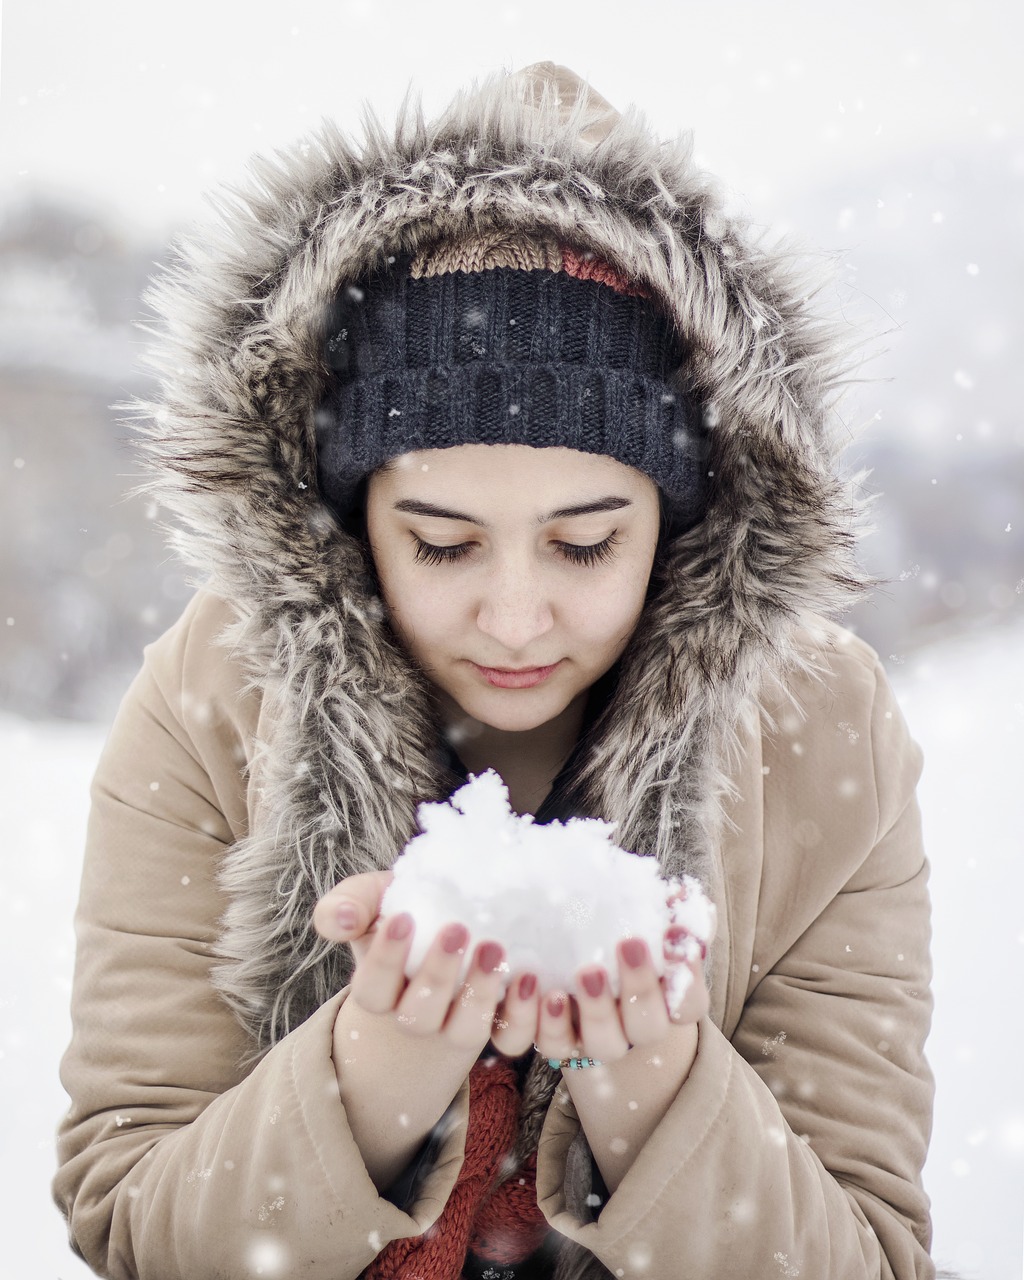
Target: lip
column 518, row 678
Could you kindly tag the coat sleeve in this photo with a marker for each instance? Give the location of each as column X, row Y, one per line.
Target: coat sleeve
column 796, row 1147
column 174, row 1160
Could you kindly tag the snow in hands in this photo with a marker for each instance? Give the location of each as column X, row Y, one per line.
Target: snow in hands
column 557, row 896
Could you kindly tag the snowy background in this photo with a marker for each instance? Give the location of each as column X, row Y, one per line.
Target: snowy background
column 889, row 134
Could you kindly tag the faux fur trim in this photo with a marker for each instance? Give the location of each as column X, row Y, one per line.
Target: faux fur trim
column 230, row 443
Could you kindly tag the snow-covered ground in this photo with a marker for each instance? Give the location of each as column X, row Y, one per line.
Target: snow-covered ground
column 965, row 702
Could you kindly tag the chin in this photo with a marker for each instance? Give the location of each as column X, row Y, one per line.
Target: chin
column 513, row 710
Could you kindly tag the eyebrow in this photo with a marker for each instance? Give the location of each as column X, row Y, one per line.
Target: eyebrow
column 416, row 508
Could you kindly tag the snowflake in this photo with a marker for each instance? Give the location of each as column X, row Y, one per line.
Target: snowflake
column 770, row 1048
column 265, row 1210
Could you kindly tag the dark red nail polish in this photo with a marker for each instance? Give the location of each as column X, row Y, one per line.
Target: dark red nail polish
column 454, row 938
column 556, row 1005
column 400, row 927
column 527, row 986
column 490, row 956
column 593, row 983
column 634, row 952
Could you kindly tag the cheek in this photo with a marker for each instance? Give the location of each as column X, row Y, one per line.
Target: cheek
column 422, row 614
column 605, row 615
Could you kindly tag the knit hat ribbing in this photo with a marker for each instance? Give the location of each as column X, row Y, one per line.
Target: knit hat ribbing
column 506, row 340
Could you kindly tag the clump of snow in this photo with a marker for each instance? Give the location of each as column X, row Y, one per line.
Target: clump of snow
column 557, row 896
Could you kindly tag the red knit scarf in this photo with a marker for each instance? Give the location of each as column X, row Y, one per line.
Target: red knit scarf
column 503, row 1224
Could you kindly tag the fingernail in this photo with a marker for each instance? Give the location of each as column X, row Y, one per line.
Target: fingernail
column 556, row 1005
column 681, row 944
column 454, row 938
column 346, row 917
column 593, row 982
column 527, row 986
column 634, row 952
column 400, row 927
column 490, row 956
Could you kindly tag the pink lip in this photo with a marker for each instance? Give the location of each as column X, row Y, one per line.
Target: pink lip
column 522, row 678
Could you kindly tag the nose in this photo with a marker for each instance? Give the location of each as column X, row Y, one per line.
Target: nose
column 514, row 609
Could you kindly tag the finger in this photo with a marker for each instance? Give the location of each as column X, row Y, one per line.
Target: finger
column 430, row 990
column 515, row 1020
column 379, row 978
column 556, row 1036
column 642, row 1007
column 693, row 911
column 686, row 993
column 351, row 907
column 685, row 984
column 601, row 1033
column 471, row 1016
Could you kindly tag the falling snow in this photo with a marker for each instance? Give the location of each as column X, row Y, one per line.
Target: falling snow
column 268, row 1257
column 965, row 705
column 271, row 1206
column 770, row 1048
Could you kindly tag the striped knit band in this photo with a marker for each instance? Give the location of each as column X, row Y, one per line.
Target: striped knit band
column 506, row 341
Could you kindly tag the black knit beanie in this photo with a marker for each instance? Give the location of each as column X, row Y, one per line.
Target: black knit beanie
column 506, row 340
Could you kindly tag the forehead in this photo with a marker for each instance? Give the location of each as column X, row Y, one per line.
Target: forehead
column 515, row 473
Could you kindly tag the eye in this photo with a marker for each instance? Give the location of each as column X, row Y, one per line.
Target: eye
column 585, row 555
column 588, row 555
column 428, row 553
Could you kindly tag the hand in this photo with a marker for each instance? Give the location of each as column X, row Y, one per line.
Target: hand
column 394, row 1088
column 594, row 1024
column 622, row 1102
column 434, row 1001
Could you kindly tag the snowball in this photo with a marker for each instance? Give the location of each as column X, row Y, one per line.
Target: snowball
column 557, row 896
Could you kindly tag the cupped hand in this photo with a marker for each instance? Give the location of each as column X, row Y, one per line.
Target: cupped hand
column 596, row 1024
column 435, row 1000
column 513, row 1013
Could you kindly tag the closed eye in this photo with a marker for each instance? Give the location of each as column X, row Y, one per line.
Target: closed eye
column 575, row 553
column 428, row 553
column 593, row 554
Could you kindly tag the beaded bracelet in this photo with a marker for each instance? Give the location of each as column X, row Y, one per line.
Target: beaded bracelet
column 573, row 1064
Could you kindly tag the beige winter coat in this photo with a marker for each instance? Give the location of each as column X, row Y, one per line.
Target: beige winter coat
column 794, row 1148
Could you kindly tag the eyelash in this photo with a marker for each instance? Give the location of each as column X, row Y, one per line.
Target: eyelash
column 587, row 556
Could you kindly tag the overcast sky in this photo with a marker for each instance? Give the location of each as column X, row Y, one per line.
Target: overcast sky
column 143, row 107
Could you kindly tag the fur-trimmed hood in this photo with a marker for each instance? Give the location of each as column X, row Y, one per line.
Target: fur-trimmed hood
column 230, row 443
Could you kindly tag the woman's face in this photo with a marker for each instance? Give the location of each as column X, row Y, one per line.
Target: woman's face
column 513, row 575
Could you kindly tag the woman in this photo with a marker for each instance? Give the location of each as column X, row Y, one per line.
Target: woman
column 497, row 444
